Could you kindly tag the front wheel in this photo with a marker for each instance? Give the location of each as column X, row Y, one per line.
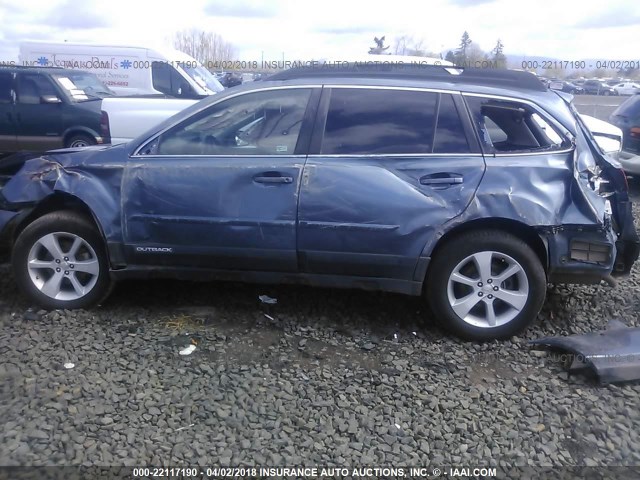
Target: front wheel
column 59, row 262
column 486, row 285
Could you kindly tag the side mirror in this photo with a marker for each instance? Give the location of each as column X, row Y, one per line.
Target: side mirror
column 185, row 90
column 50, row 99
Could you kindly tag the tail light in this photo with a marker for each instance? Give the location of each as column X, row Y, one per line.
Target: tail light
column 635, row 132
column 105, row 132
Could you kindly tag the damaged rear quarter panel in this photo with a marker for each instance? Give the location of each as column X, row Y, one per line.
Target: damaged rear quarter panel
column 92, row 175
column 548, row 193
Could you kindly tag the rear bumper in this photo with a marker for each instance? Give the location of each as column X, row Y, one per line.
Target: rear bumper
column 579, row 256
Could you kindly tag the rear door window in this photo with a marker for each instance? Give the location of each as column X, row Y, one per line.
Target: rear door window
column 450, row 134
column 509, row 127
column 364, row 121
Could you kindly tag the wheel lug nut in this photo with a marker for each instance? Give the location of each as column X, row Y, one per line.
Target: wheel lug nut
column 480, row 294
column 490, row 296
column 489, row 281
column 58, row 269
column 66, row 272
column 66, row 259
column 495, row 289
column 479, row 284
column 57, row 260
column 72, row 267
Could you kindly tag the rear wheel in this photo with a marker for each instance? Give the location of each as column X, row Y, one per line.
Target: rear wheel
column 80, row 140
column 60, row 263
column 486, row 285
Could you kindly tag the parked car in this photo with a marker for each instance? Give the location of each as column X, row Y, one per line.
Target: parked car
column 45, row 108
column 627, row 88
column 627, row 118
column 567, row 87
column 419, row 181
column 128, row 70
column 596, row 87
column 229, row 80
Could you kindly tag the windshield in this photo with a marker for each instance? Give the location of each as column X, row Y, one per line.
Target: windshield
column 82, row 85
column 203, row 78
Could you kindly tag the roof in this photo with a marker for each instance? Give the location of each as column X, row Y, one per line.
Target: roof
column 511, row 79
column 39, row 69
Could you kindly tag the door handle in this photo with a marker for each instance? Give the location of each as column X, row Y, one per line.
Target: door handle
column 451, row 180
column 272, row 180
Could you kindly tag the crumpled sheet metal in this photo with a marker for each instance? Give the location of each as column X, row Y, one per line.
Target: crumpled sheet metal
column 613, row 354
column 98, row 186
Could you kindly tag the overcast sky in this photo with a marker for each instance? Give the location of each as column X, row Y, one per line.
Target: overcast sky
column 566, row 30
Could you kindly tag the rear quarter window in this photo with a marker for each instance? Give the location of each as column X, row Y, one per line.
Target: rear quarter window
column 513, row 127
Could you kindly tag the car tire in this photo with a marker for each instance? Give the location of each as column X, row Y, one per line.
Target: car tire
column 79, row 140
column 496, row 307
column 59, row 262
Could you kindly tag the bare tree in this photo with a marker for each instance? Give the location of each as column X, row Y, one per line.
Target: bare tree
column 408, row 45
column 206, row 47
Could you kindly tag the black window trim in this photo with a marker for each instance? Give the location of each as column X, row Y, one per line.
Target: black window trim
column 561, row 130
column 136, row 150
column 323, row 110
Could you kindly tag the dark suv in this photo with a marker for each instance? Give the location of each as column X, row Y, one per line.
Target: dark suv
column 45, row 108
column 471, row 187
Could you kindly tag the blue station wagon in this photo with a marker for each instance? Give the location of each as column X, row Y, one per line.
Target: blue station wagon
column 473, row 188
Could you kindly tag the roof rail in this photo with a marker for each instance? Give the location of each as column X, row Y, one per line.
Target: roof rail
column 379, row 69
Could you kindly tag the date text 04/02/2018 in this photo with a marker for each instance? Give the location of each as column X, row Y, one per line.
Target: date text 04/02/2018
column 581, row 64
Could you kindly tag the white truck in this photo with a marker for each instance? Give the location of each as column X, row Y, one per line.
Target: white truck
column 126, row 118
column 128, row 70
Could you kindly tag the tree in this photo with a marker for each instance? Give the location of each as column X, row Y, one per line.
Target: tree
column 450, row 57
column 407, row 45
column 207, row 47
column 461, row 52
column 499, row 58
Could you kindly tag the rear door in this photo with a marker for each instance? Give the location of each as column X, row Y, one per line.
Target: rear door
column 40, row 126
column 388, row 168
column 8, row 139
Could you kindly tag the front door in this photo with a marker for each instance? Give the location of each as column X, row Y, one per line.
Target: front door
column 220, row 189
column 392, row 166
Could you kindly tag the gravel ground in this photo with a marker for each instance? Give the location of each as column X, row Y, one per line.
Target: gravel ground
column 324, row 377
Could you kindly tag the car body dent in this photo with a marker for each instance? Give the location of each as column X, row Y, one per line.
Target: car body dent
column 87, row 175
